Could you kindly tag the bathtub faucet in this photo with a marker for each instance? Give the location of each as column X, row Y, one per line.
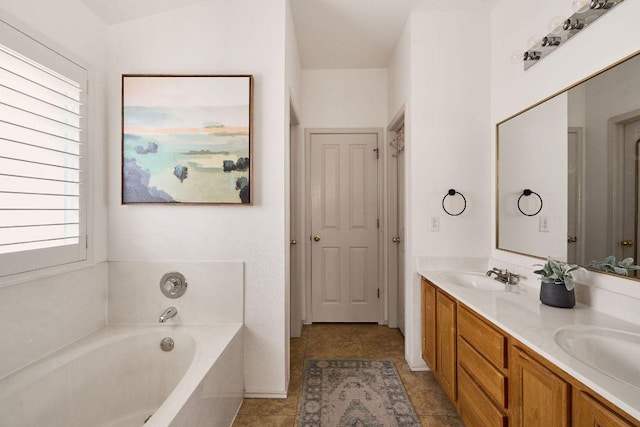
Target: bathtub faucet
column 168, row 314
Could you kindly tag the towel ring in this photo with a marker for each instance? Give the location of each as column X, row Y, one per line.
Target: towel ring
column 453, row 192
column 527, row 193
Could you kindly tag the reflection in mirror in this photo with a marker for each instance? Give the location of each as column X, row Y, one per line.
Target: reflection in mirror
column 579, row 151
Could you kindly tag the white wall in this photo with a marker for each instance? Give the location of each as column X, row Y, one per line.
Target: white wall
column 42, row 312
column 399, row 77
column 214, row 292
column 448, row 145
column 213, row 37
column 608, row 40
column 347, row 98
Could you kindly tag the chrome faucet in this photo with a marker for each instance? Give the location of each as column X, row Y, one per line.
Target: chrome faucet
column 168, row 314
column 504, row 276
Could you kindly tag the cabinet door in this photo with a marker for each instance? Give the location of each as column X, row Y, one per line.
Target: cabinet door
column 589, row 412
column 538, row 397
column 446, row 344
column 429, row 324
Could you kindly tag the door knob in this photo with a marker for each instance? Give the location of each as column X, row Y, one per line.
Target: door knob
column 293, row 242
column 316, row 238
column 572, row 239
column 627, row 243
column 396, row 240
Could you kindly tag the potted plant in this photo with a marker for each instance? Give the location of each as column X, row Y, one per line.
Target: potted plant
column 557, row 285
column 609, row 265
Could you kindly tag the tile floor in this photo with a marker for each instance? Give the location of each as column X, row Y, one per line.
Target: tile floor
column 357, row 341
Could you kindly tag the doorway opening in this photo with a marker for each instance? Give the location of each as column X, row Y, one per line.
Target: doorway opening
column 624, row 233
column 396, row 224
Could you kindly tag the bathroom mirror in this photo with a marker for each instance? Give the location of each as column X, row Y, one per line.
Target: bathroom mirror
column 579, row 151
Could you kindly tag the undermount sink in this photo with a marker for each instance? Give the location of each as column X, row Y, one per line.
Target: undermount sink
column 473, row 280
column 613, row 352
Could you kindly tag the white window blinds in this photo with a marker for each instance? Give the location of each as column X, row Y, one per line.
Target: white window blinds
column 42, row 198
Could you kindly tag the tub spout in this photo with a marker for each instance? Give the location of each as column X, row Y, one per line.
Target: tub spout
column 168, row 314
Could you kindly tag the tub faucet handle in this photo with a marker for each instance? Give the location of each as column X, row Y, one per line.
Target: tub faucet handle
column 168, row 314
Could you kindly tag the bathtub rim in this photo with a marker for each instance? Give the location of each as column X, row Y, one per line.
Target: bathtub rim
column 210, row 342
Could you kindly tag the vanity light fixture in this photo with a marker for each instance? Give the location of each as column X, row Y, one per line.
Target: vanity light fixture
column 551, row 41
column 562, row 29
column 601, row 4
column 532, row 55
column 576, row 24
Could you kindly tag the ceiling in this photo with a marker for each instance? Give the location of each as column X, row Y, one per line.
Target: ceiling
column 331, row 34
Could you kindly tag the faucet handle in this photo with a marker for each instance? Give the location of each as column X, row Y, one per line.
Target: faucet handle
column 513, row 278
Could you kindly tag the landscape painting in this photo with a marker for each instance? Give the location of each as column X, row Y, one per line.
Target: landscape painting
column 187, row 139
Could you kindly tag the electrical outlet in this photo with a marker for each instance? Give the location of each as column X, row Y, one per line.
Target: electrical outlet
column 435, row 223
column 544, row 224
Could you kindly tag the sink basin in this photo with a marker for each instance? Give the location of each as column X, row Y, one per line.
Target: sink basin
column 613, row 352
column 473, row 280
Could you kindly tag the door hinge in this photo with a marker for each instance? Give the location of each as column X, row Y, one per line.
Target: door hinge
column 378, row 292
column 86, row 242
column 377, row 153
column 378, row 223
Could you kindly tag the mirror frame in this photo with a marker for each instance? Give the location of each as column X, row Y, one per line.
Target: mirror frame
column 497, row 165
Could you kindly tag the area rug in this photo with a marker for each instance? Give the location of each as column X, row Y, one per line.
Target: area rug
column 354, row 393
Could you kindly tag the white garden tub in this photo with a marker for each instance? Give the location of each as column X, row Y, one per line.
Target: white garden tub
column 119, row 376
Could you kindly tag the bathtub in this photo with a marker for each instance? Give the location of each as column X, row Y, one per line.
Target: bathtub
column 119, row 376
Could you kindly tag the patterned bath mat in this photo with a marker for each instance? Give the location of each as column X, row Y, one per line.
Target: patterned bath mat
column 354, row 393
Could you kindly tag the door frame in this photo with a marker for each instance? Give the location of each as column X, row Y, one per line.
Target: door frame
column 391, row 250
column 580, row 226
column 308, row 132
column 616, row 126
column 296, row 268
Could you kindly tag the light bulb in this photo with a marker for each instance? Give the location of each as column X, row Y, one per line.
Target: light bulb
column 517, row 56
column 534, row 40
column 580, row 6
column 555, row 25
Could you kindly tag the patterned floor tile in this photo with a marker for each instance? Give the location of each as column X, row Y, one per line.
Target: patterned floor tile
column 440, row 421
column 264, row 421
column 350, row 341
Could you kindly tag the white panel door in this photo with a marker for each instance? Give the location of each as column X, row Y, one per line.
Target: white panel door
column 344, row 206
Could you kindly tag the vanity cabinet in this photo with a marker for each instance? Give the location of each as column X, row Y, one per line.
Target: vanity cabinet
column 482, row 371
column 590, row 412
column 429, row 323
column 494, row 380
column 446, row 348
column 439, row 336
column 538, row 396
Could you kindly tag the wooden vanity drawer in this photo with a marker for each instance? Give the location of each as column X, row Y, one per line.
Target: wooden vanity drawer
column 486, row 340
column 492, row 380
column 475, row 408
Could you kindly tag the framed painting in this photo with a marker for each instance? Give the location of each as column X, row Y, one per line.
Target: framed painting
column 187, row 139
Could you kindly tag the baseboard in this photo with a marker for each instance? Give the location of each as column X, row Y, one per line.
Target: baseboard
column 255, row 394
column 419, row 367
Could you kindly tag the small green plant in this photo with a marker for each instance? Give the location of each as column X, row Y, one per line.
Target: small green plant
column 558, row 272
column 609, row 265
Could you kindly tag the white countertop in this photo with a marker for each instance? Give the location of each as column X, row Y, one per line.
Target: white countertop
column 521, row 314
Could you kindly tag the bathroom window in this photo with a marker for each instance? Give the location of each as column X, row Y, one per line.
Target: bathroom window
column 42, row 152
